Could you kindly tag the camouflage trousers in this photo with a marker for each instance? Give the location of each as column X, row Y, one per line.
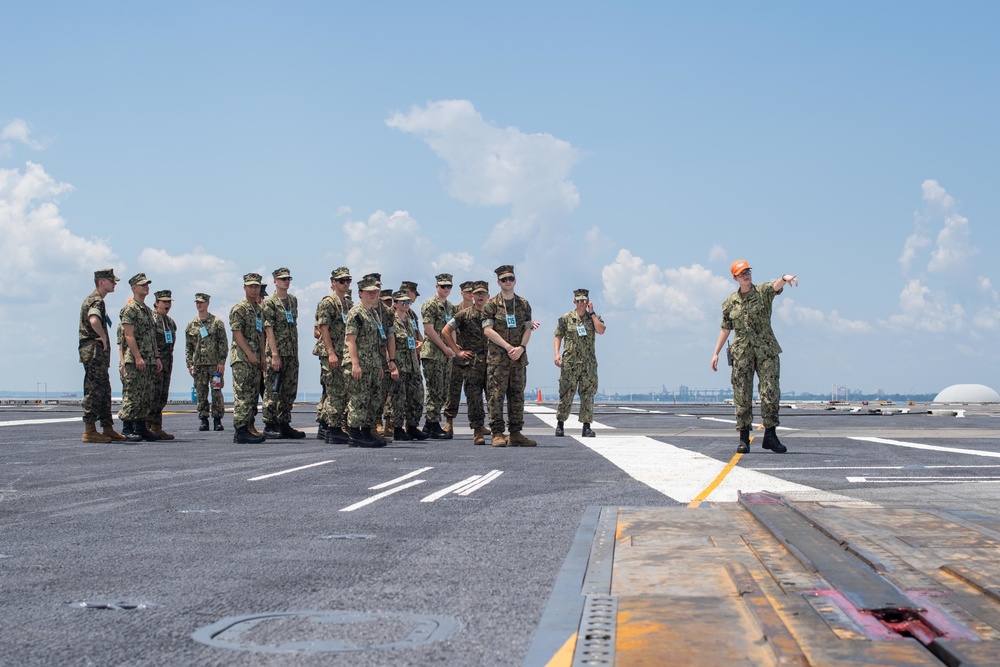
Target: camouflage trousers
column 767, row 370
column 97, row 388
column 455, row 389
column 406, row 400
column 246, row 391
column 386, row 391
column 161, row 390
column 137, row 392
column 474, row 378
column 202, row 385
column 506, row 380
column 331, row 407
column 365, row 397
column 278, row 404
column 574, row 378
column 437, row 375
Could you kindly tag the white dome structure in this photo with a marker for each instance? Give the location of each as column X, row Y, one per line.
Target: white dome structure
column 967, row 393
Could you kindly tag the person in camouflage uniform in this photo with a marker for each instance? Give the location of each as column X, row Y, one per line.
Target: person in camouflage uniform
column 281, row 375
column 507, row 324
column 365, row 335
column 331, row 348
column 457, row 368
column 436, row 355
column 165, row 330
column 575, row 333
column 246, row 321
column 464, row 334
column 755, row 350
column 95, row 355
column 205, row 349
column 406, row 400
column 389, row 369
column 141, row 362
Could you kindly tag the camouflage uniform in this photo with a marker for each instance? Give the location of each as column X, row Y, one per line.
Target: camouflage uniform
column 283, row 319
column 457, row 369
column 406, row 400
column 755, row 350
column 162, row 324
column 437, row 365
column 579, row 365
column 138, row 386
column 330, row 311
column 206, row 347
column 246, row 318
column 506, row 378
column 365, row 393
column 468, row 326
column 96, row 362
column 388, row 317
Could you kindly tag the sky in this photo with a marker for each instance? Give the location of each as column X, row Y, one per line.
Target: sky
column 633, row 149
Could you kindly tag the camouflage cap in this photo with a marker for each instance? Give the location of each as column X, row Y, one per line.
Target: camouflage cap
column 581, row 295
column 377, row 277
column 401, row 295
column 108, row 274
column 503, row 271
column 409, row 285
column 385, row 294
column 480, row 286
column 368, row 284
column 283, row 272
column 443, row 279
column 340, row 272
column 139, row 279
column 466, row 286
column 201, row 297
column 163, row 295
column 251, row 279
column 739, row 266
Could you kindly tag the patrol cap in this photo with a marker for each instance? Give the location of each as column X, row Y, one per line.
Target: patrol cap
column 367, row 284
column 401, row 295
column 251, row 279
column 443, row 279
column 480, row 286
column 340, row 272
column 139, row 279
column 407, row 285
column 466, row 286
column 163, row 295
column 385, row 294
column 377, row 277
column 283, row 272
column 201, row 297
column 504, row 271
column 108, row 274
column 581, row 295
column 739, row 266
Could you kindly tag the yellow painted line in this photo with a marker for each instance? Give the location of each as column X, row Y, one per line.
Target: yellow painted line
column 564, row 656
column 707, row 491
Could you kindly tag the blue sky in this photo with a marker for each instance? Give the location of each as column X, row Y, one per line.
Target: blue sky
column 634, row 150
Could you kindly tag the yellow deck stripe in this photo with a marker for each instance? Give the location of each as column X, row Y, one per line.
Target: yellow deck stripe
column 707, row 491
column 564, row 656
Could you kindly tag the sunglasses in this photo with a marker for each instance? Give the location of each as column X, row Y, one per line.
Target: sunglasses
column 344, row 281
column 508, row 279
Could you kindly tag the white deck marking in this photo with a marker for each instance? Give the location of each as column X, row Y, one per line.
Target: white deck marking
column 486, row 479
column 935, row 448
column 571, row 422
column 755, row 426
column 400, row 479
column 33, row 422
column 379, row 496
column 922, row 480
column 285, row 472
column 468, row 481
column 681, row 474
column 910, row 467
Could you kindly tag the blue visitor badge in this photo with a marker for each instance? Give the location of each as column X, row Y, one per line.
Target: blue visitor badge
column 288, row 317
column 260, row 326
column 203, row 331
column 410, row 343
column 581, row 330
column 107, row 321
column 381, row 331
column 168, row 337
column 343, row 316
column 511, row 322
column 447, row 318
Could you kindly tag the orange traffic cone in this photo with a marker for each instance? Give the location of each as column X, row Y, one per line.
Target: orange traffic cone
column 539, row 399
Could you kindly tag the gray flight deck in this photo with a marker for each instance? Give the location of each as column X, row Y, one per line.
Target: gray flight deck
column 874, row 540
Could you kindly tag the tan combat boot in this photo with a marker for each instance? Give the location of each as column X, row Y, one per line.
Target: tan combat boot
column 387, row 430
column 90, row 434
column 109, row 432
column 449, row 425
column 252, row 431
column 378, row 436
column 158, row 430
column 477, row 436
column 498, row 440
column 518, row 440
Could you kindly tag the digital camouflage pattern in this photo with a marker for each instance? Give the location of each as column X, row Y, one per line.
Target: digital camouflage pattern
column 203, row 388
column 506, row 378
column 138, row 386
column 245, row 317
column 457, row 370
column 406, row 397
column 206, row 354
column 468, row 326
column 161, row 380
column 96, row 361
column 578, row 372
column 437, row 365
column 365, row 393
column 282, row 318
column 437, row 313
column 331, row 312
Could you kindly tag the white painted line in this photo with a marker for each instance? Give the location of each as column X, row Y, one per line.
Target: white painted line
column 486, row 479
column 33, row 422
column 285, row 472
column 379, row 496
column 538, row 409
column 448, row 489
column 754, row 426
column 571, row 422
column 918, row 467
column 922, row 480
column 400, row 479
column 622, row 407
column 935, row 448
column 682, row 475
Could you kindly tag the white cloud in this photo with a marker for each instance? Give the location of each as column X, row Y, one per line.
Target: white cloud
column 197, row 262
column 922, row 309
column 19, row 131
column 791, row 312
column 953, row 248
column 717, row 253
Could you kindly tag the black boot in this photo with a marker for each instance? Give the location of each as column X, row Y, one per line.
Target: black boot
column 128, row 430
column 336, row 436
column 771, row 442
column 272, row 432
column 288, row 432
column 204, row 424
column 362, row 437
column 587, row 431
column 243, row 437
column 416, row 433
column 744, row 446
column 143, row 431
column 434, row 430
column 217, row 423
column 321, row 432
column 399, row 433
column 559, row 430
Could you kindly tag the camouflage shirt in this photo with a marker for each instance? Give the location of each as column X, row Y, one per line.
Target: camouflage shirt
column 332, row 312
column 468, row 326
column 578, row 345
column 140, row 316
column 246, row 318
column 388, row 316
column 93, row 305
column 437, row 313
column 161, row 325
column 749, row 317
column 363, row 323
column 496, row 312
column 209, row 349
column 406, row 358
column 283, row 318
